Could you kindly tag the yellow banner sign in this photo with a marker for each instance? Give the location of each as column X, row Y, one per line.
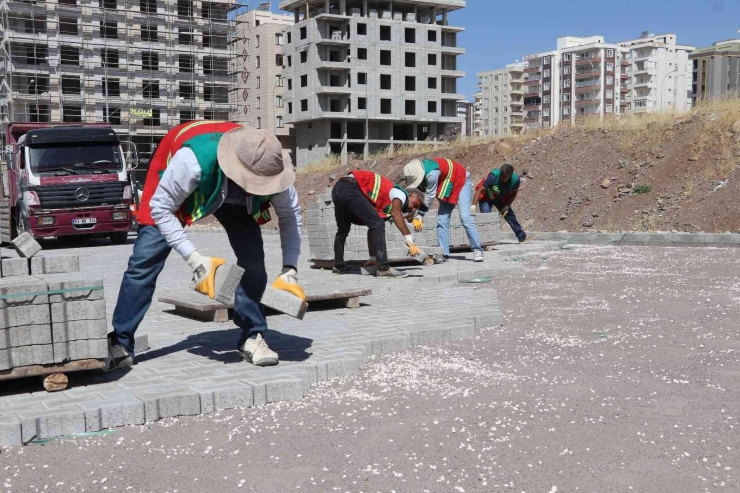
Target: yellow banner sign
column 141, row 112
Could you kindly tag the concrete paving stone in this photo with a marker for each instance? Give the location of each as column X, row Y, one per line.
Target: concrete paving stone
column 25, row 245
column 117, row 409
column 57, row 264
column 284, row 390
column 77, row 310
column 74, row 330
column 80, row 349
column 160, row 405
column 41, row 354
column 10, row 429
column 15, row 267
column 27, row 335
column 389, row 345
column 75, row 283
column 342, row 367
column 216, row 397
column 48, row 424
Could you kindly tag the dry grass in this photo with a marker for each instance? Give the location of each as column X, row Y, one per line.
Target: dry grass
column 323, row 165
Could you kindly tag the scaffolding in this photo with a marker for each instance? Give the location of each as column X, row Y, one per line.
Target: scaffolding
column 143, row 66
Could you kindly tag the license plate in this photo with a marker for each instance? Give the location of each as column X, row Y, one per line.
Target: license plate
column 84, row 221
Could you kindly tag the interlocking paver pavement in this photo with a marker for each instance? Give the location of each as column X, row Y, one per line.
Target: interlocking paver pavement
column 193, row 368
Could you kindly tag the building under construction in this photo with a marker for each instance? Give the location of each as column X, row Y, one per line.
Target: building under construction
column 143, row 66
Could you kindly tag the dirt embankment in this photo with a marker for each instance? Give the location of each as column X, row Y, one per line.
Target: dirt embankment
column 652, row 174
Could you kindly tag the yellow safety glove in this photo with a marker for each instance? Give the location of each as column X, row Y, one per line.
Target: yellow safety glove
column 288, row 281
column 418, row 224
column 204, row 272
column 413, row 249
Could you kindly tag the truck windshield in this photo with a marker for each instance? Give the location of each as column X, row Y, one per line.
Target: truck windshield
column 75, row 157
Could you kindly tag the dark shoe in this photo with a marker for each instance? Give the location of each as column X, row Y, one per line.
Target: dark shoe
column 117, row 358
column 338, row 271
column 441, row 259
column 391, row 273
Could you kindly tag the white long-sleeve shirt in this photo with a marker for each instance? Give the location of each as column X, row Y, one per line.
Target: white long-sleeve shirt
column 180, row 180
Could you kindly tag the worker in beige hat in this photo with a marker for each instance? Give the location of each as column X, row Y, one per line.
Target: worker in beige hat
column 234, row 173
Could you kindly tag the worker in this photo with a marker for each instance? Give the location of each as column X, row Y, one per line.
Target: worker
column 234, row 173
column 449, row 182
column 366, row 198
column 499, row 189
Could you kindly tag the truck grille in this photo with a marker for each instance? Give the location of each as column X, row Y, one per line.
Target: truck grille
column 64, row 196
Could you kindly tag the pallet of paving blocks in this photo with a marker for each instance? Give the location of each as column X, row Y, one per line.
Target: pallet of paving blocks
column 322, row 228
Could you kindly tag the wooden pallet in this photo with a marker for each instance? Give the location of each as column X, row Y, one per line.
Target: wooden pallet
column 55, row 377
column 198, row 306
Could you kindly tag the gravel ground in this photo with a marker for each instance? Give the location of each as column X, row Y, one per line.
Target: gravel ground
column 615, row 372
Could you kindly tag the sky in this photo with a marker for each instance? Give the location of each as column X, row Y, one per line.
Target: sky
column 498, row 32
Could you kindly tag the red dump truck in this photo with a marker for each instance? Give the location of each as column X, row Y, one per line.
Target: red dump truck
column 64, row 181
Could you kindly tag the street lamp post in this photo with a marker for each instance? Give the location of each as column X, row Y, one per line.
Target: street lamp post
column 661, row 88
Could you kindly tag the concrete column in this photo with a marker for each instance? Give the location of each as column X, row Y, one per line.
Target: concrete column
column 297, row 15
column 364, row 9
column 344, row 142
column 343, row 7
column 308, row 11
column 416, row 132
column 326, row 6
column 434, row 15
column 444, row 18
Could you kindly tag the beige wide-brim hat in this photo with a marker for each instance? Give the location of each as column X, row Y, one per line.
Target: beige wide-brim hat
column 253, row 159
column 413, row 173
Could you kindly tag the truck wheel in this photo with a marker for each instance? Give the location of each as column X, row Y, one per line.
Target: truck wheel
column 119, row 238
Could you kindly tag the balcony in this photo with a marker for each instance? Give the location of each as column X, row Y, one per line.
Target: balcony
column 587, row 60
column 647, row 83
column 453, row 72
column 530, row 107
column 624, row 90
column 334, row 90
column 581, row 102
column 455, row 50
column 532, row 82
column 625, row 63
column 325, row 64
column 533, row 70
column 516, row 103
column 517, row 90
column 517, row 123
column 582, row 74
column 335, row 38
column 624, row 76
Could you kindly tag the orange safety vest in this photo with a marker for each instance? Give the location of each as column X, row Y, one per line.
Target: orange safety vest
column 377, row 189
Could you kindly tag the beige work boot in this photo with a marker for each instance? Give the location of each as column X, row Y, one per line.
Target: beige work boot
column 256, row 351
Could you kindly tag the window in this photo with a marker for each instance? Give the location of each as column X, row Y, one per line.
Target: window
column 111, row 87
column 361, row 78
column 304, row 80
column 610, row 53
column 279, row 103
column 362, row 29
column 290, row 108
column 68, row 26
column 186, row 63
column 149, row 60
column 410, row 83
column 185, row 37
column 610, row 81
column 304, row 104
column 279, row 122
column 290, row 37
column 259, row 102
column 566, row 83
column 566, row 70
column 609, row 108
column 385, row 57
column 546, row 73
column 279, row 81
column 432, row 36
column 303, row 32
column 187, row 90
column 109, row 57
column 385, row 33
column 432, row 83
column 149, row 32
column 290, row 84
column 114, row 118
column 411, row 60
column 278, row 60
column 410, row 35
column 566, row 57
column 259, row 82
column 546, row 112
column 290, row 61
column 385, row 106
column 70, row 55
column 109, row 4
column 566, row 96
column 185, row 8
column 546, row 86
column 609, row 94
column 610, row 67
column 257, row 41
column 70, row 85
column 362, row 53
column 432, row 105
column 150, row 89
column 187, row 116
column 71, row 114
column 148, row 6
column 258, row 61
column 304, row 56
column 385, row 82
column 566, row 110
column 279, row 39
column 154, row 120
column 431, row 59
column 545, row 99
column 410, row 107
column 361, row 104
column 547, row 60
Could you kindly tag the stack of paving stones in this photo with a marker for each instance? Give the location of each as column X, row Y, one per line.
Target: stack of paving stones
column 322, row 228
column 49, row 313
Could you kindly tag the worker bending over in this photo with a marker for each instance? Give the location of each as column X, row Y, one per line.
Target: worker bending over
column 234, row 173
column 447, row 181
column 366, row 198
column 499, row 190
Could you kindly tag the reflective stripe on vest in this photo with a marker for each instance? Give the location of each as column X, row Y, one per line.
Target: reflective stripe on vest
column 447, row 183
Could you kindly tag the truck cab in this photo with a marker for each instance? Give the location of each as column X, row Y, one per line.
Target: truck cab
column 68, row 181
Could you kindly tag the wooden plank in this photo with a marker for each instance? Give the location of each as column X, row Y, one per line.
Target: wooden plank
column 41, row 370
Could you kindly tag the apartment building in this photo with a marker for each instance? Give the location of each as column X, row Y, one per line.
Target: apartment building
column 261, row 100
column 364, row 75
column 465, row 113
column 499, row 103
column 658, row 75
column 716, row 70
column 141, row 65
